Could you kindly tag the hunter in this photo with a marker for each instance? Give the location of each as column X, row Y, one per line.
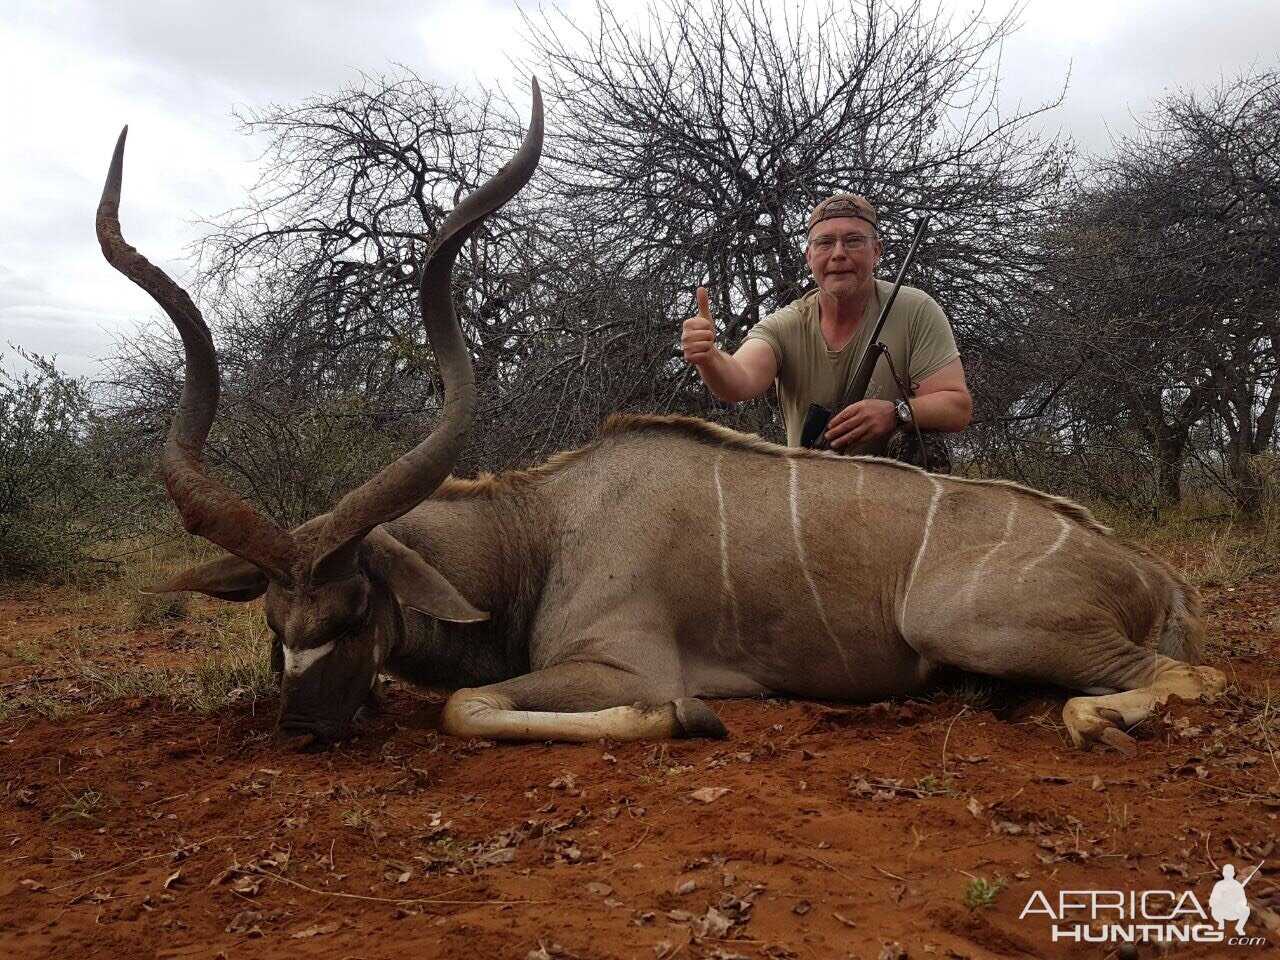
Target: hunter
column 812, row 346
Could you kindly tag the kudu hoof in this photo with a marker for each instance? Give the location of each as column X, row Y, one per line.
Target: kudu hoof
column 1117, row 739
column 1089, row 725
column 302, row 742
column 694, row 719
column 1213, row 683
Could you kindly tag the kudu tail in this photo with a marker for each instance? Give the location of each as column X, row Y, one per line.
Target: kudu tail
column 1182, row 633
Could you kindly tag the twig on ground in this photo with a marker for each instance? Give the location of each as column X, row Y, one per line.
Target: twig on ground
column 638, row 842
column 835, row 870
column 397, row 900
column 963, row 711
column 154, row 856
column 972, row 843
column 892, row 876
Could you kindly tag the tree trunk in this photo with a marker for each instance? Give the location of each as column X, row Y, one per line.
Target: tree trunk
column 1170, row 451
column 1246, row 481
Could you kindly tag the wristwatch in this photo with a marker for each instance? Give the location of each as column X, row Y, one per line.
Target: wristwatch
column 902, row 411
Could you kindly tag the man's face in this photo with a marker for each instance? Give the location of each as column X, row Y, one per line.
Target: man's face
column 842, row 254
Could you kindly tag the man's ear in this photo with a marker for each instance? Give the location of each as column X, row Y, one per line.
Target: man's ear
column 416, row 583
column 228, row 578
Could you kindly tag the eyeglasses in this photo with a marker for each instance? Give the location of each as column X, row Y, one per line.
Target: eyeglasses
column 851, row 241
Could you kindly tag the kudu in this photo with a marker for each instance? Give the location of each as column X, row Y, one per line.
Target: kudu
column 601, row 593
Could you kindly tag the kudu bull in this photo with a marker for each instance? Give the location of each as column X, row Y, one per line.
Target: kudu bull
column 601, row 593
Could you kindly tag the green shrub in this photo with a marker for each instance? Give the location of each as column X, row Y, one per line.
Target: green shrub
column 62, row 492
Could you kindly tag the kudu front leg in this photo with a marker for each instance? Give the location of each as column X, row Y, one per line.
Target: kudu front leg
column 576, row 702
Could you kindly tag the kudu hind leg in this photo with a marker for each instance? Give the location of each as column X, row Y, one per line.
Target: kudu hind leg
column 576, row 702
column 1093, row 657
column 1093, row 720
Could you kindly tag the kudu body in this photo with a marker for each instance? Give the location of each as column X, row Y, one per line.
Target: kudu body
column 671, row 559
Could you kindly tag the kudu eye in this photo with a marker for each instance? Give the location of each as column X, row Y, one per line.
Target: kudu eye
column 357, row 624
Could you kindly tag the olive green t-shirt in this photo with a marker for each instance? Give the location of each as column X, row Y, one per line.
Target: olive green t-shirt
column 916, row 332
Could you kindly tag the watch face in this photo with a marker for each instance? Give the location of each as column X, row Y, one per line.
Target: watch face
column 903, row 411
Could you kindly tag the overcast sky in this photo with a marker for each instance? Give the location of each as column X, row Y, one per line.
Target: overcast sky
column 74, row 71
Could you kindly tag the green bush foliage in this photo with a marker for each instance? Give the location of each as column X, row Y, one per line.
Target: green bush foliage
column 62, row 492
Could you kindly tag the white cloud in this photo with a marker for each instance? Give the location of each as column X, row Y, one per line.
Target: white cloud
column 1123, row 57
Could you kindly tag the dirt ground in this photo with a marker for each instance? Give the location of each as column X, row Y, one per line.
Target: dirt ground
column 909, row 829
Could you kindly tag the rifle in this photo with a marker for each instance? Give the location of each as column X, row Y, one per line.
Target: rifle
column 813, row 433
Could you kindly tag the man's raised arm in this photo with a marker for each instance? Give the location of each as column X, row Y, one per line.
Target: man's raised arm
column 742, row 376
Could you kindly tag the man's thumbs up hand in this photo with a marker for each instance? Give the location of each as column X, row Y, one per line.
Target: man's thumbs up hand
column 698, row 336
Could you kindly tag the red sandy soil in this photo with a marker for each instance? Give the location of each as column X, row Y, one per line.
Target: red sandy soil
column 817, row 830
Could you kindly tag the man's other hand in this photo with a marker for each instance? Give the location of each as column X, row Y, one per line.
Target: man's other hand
column 698, row 336
column 861, row 422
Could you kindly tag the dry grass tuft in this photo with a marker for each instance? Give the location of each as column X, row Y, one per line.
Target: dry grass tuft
column 232, row 665
column 154, row 609
column 83, row 807
column 220, row 656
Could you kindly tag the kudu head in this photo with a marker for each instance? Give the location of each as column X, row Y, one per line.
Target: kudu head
column 334, row 586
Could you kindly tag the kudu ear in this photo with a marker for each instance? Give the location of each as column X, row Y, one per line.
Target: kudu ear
column 416, row 583
column 228, row 578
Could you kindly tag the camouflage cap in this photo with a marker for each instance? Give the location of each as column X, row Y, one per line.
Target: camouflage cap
column 843, row 205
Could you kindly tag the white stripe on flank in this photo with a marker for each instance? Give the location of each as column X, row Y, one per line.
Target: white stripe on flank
column 1057, row 545
column 1138, row 571
column 297, row 662
column 924, row 542
column 804, row 567
column 725, row 579
column 1004, row 540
